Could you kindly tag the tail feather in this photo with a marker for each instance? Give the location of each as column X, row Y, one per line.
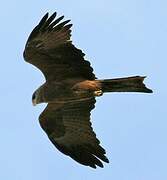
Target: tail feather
column 128, row 84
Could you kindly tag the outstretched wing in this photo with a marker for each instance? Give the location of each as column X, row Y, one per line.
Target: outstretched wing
column 50, row 49
column 69, row 128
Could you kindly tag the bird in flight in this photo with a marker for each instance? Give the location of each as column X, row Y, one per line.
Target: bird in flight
column 70, row 90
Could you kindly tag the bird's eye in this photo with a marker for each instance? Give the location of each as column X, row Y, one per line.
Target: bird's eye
column 33, row 96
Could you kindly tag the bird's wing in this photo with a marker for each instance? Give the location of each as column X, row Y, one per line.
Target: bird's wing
column 69, row 128
column 50, row 49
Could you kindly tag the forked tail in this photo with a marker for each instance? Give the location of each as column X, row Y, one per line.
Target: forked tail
column 128, row 84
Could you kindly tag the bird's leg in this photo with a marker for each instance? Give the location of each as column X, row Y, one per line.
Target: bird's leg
column 98, row 93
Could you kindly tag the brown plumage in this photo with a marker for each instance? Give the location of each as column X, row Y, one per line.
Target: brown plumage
column 70, row 90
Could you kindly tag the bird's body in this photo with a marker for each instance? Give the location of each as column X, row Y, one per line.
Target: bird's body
column 70, row 90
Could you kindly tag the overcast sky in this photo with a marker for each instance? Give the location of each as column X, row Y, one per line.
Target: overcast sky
column 120, row 38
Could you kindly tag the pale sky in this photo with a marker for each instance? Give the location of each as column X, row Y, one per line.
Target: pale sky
column 120, row 38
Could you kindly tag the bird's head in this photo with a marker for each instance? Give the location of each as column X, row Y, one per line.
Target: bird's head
column 36, row 99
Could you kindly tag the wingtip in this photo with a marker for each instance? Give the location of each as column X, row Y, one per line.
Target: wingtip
column 52, row 17
column 107, row 160
column 54, row 14
column 46, row 15
column 43, row 20
column 93, row 166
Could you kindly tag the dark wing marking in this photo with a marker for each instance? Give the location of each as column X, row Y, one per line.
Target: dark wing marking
column 50, row 49
column 69, row 128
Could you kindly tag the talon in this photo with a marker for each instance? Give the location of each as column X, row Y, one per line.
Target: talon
column 98, row 93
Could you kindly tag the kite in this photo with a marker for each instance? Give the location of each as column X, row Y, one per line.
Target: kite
column 70, row 90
